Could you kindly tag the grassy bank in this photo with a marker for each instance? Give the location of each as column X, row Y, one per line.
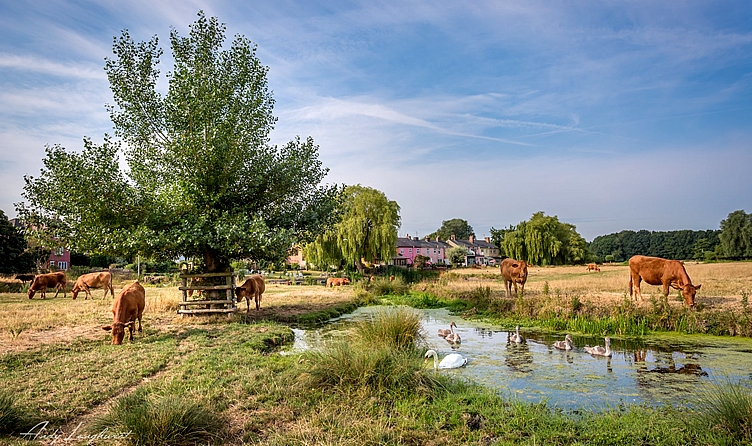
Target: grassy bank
column 225, row 384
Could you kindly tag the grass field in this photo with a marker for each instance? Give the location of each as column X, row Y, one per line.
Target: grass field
column 58, row 367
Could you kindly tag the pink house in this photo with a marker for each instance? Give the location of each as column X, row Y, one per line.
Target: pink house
column 410, row 247
column 59, row 259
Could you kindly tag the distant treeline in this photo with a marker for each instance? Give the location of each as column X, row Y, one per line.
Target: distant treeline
column 679, row 245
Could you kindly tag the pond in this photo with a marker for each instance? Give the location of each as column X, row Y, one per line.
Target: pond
column 653, row 370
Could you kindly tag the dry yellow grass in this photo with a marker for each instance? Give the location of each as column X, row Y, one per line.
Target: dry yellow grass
column 25, row 323
column 723, row 284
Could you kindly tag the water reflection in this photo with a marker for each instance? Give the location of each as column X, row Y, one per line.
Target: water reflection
column 649, row 370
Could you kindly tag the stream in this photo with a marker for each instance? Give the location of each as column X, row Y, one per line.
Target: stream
column 653, row 370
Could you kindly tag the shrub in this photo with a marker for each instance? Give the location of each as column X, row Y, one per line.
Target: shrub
column 160, row 421
column 382, row 286
column 398, row 328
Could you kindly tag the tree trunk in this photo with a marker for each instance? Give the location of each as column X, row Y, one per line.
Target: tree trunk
column 359, row 266
column 214, row 262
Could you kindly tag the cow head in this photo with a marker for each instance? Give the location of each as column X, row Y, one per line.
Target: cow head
column 75, row 292
column 689, row 292
column 31, row 292
column 118, row 331
column 346, row 281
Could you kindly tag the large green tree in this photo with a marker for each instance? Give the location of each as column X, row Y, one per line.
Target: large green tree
column 736, row 235
column 366, row 230
column 202, row 180
column 14, row 255
column 457, row 227
column 544, row 240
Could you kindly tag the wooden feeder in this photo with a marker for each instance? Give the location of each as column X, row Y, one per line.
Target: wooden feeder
column 217, row 298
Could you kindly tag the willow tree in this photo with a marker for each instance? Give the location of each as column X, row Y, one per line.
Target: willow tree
column 366, row 230
column 201, row 178
column 544, row 240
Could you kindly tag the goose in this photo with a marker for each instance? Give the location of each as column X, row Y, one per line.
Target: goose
column 445, row 332
column 450, row 361
column 566, row 344
column 516, row 337
column 600, row 351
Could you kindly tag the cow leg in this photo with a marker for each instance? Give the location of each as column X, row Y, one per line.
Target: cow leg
column 522, row 289
column 665, row 289
column 636, row 280
column 57, row 290
column 258, row 302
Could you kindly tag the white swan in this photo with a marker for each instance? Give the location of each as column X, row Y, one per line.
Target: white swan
column 450, row 361
column 516, row 337
column 600, row 351
column 566, row 344
column 446, row 332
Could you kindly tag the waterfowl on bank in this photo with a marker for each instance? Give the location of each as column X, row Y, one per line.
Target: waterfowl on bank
column 450, row 361
column 566, row 344
column 446, row 332
column 600, row 351
column 516, row 337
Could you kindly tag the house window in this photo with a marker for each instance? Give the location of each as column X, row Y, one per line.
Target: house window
column 402, row 251
column 52, row 263
column 62, row 265
column 59, row 251
column 417, row 250
column 410, row 250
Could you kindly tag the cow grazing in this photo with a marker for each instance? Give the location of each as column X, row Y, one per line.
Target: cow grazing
column 24, row 278
column 658, row 271
column 253, row 288
column 52, row 280
column 98, row 280
column 514, row 272
column 127, row 307
column 337, row 281
column 593, row 267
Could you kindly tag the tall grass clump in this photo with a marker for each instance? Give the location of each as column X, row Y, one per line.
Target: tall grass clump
column 397, row 328
column 382, row 286
column 153, row 421
column 728, row 406
column 12, row 418
column 384, row 359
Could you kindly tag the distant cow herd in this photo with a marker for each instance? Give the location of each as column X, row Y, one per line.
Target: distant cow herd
column 128, row 306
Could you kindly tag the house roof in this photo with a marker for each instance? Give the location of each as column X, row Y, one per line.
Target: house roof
column 409, row 242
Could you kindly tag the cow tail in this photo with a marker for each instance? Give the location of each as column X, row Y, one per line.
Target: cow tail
column 630, row 285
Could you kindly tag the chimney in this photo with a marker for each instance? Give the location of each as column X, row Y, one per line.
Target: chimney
column 453, row 237
column 437, row 238
column 427, row 238
column 488, row 239
column 471, row 239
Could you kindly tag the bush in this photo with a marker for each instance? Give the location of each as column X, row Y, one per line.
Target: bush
column 398, row 328
column 165, row 421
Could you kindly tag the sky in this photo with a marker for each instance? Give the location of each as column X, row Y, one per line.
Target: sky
column 610, row 115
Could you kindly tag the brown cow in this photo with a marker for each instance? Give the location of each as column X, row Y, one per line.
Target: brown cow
column 254, row 288
column 52, row 280
column 337, row 281
column 658, row 271
column 514, row 272
column 593, row 267
column 98, row 280
column 127, row 307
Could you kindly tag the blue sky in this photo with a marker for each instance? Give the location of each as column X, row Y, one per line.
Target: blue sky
column 610, row 115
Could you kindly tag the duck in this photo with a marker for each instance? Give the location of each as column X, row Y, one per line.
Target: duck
column 566, row 344
column 516, row 337
column 443, row 333
column 450, row 361
column 600, row 351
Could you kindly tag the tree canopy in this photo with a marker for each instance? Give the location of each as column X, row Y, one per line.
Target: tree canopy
column 543, row 240
column 736, row 235
column 202, row 180
column 677, row 245
column 458, row 227
column 366, row 230
column 14, row 256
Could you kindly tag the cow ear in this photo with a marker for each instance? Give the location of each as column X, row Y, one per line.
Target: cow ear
column 697, row 287
column 107, row 328
column 128, row 324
